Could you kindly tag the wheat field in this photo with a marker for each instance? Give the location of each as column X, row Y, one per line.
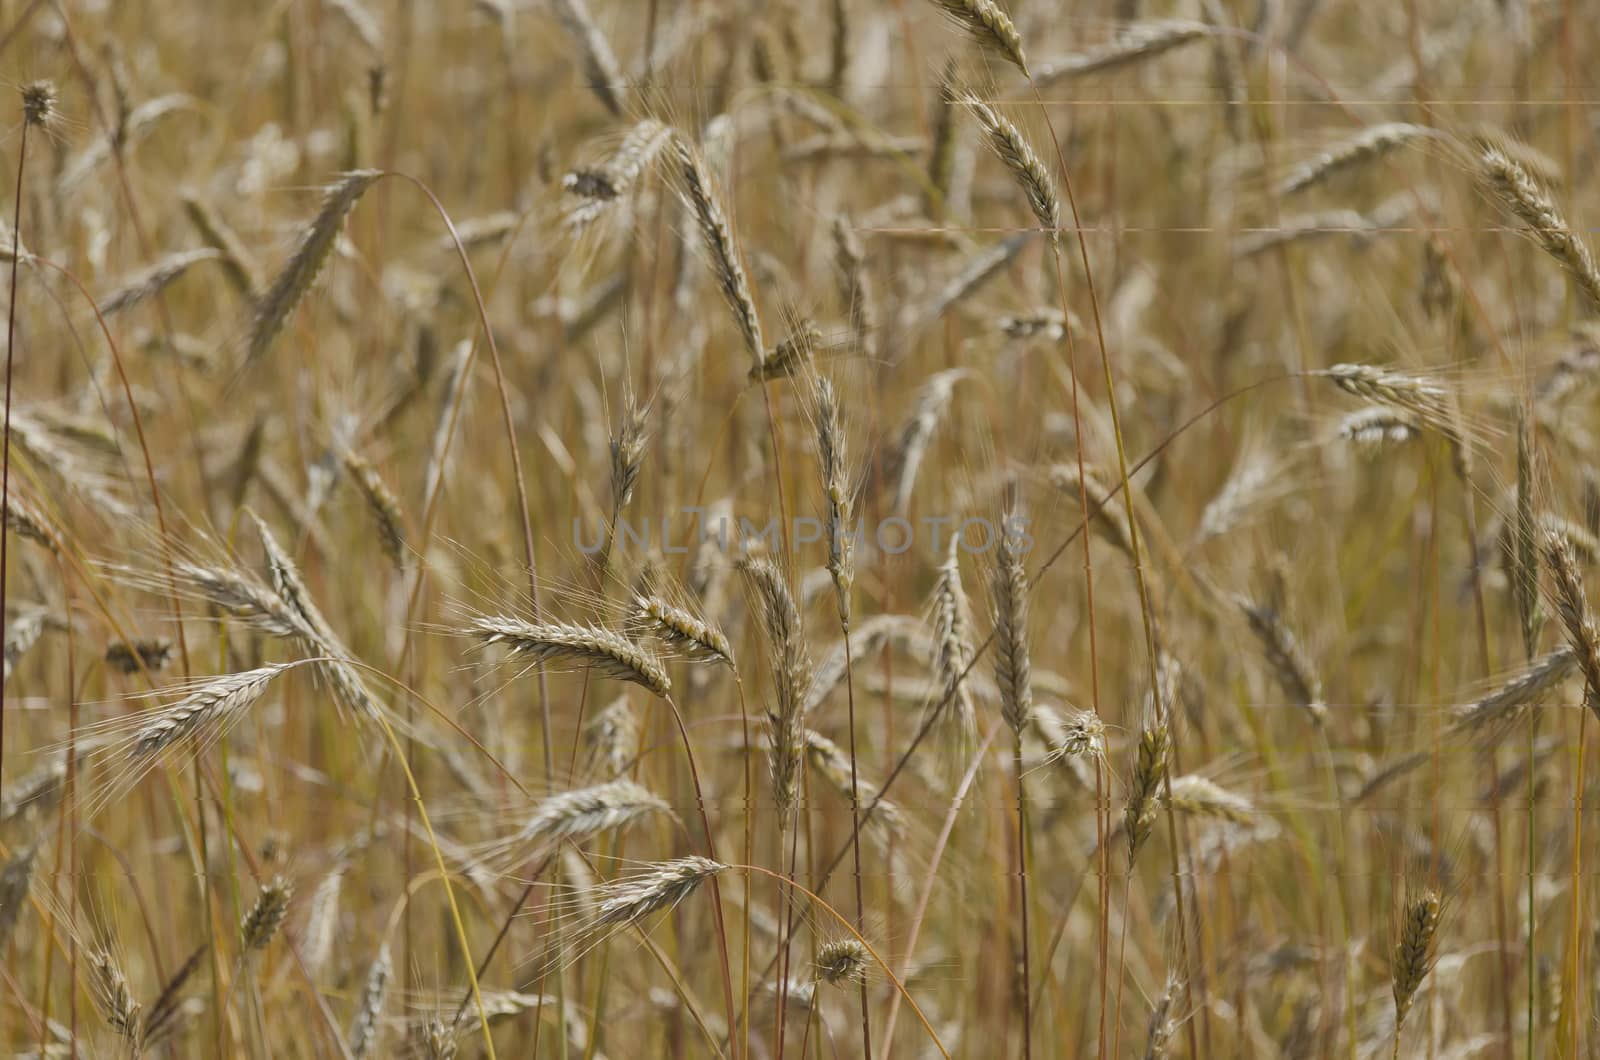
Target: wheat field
column 754, row 529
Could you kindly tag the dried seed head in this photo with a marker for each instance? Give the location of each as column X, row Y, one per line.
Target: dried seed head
column 662, row 886
column 1007, row 142
column 1134, row 43
column 989, row 26
column 238, row 264
column 610, row 653
column 1290, row 664
column 1368, row 145
column 855, row 285
column 38, row 102
column 301, row 270
column 578, row 815
column 613, row 736
column 699, row 195
column 1415, row 952
column 24, row 521
column 1521, row 195
column 322, row 922
column 35, row 793
column 263, row 919
column 313, row 631
column 1045, row 323
column 151, row 654
column 382, row 503
column 791, row 667
column 952, row 652
column 627, row 453
column 438, row 1039
column 1374, row 429
column 1399, row 390
column 217, row 702
column 114, row 997
column 790, row 356
column 1149, row 770
column 1073, row 735
column 598, row 188
column 942, row 149
column 683, row 630
column 929, row 408
column 1506, row 703
column 829, row 760
column 600, row 66
column 842, row 962
column 152, row 281
column 1572, row 606
column 1012, row 669
column 368, row 1024
column 835, row 483
column 1163, row 1023
column 1202, row 797
column 15, row 879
